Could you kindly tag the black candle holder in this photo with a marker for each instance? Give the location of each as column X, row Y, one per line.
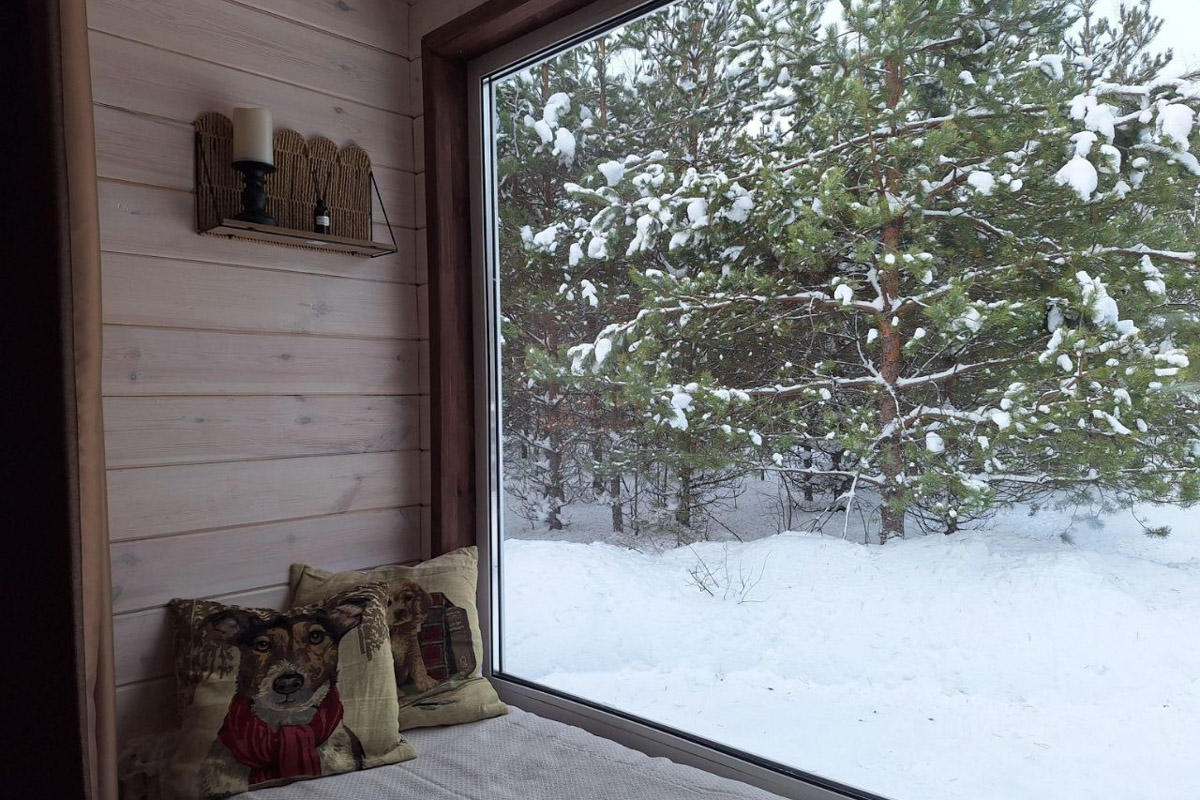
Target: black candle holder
column 254, row 195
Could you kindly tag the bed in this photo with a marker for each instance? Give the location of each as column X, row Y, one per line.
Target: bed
column 519, row 757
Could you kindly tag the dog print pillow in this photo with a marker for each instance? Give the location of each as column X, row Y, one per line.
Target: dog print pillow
column 433, row 626
column 269, row 697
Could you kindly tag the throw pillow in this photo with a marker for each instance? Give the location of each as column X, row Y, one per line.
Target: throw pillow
column 434, row 627
column 269, row 697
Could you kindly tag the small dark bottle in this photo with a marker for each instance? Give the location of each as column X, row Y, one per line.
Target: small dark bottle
column 321, row 219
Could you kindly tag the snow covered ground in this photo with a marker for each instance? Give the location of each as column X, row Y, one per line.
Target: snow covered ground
column 1007, row 664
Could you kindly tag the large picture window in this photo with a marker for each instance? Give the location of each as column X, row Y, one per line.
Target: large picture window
column 845, row 395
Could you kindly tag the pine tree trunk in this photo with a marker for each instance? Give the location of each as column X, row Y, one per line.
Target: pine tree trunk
column 553, row 489
column 602, row 74
column 597, row 478
column 555, row 495
column 808, row 479
column 683, row 511
column 618, row 512
column 891, row 347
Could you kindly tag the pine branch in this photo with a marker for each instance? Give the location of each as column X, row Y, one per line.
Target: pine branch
column 882, row 134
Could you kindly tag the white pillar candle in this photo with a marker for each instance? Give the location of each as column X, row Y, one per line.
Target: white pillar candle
column 253, row 135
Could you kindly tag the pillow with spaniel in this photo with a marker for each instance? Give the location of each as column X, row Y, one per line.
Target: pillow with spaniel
column 269, row 697
column 434, row 630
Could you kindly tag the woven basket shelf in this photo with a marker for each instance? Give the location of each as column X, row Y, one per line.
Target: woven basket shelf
column 344, row 174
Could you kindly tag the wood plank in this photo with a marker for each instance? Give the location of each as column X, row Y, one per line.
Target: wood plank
column 272, row 233
column 247, row 39
column 421, row 246
column 479, row 27
column 152, row 501
column 157, row 431
column 420, row 210
column 423, row 311
column 142, row 639
column 431, row 15
column 139, row 290
column 426, row 533
column 136, row 77
column 425, row 474
column 417, row 92
column 153, row 361
column 451, row 362
column 425, row 410
column 145, row 708
column 149, row 572
column 379, row 23
column 139, row 149
column 423, row 366
column 418, row 137
column 162, row 222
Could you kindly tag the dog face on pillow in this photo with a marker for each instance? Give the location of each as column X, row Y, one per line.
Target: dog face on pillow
column 408, row 605
column 268, row 697
column 287, row 663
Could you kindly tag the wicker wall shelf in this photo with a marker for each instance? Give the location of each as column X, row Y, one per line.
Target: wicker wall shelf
column 236, row 229
column 344, row 175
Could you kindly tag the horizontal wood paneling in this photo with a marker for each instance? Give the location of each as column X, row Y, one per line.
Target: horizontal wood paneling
column 417, row 92
column 138, row 77
column 142, row 639
column 425, row 421
column 153, row 501
column 247, row 39
column 146, row 707
column 154, row 361
column 423, row 366
column 423, row 310
column 379, row 23
column 421, row 266
column 144, row 149
column 157, row 431
column 260, row 400
column 139, row 290
column 140, row 149
column 419, row 188
column 150, row 572
column 418, row 138
column 142, row 220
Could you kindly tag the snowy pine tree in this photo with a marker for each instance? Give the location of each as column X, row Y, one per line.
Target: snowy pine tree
column 928, row 258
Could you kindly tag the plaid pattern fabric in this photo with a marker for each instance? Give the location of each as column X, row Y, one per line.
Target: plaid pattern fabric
column 445, row 640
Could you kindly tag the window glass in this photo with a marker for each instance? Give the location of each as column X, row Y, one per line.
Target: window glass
column 848, row 401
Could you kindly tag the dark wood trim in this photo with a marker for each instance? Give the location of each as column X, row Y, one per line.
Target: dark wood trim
column 445, row 54
column 46, row 712
column 494, row 24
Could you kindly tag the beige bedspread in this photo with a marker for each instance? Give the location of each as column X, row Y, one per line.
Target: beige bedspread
column 519, row 757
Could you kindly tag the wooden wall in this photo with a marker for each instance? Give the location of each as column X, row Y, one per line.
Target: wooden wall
column 263, row 405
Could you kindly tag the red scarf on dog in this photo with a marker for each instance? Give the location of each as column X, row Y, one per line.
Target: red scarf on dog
column 289, row 752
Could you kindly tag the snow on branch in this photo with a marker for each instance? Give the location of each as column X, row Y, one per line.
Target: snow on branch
column 1138, row 251
column 891, row 132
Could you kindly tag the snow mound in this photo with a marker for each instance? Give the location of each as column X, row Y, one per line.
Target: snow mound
column 564, row 146
column 988, row 665
column 1080, row 175
column 613, row 172
column 1175, row 122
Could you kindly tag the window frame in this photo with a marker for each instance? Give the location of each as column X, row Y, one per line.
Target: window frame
column 464, row 480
